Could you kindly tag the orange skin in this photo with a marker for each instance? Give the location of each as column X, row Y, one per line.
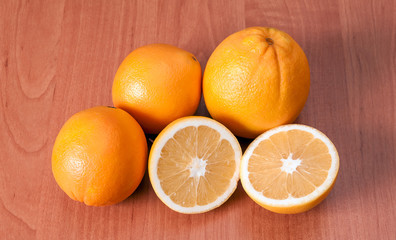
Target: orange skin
column 158, row 84
column 99, row 156
column 296, row 209
column 256, row 79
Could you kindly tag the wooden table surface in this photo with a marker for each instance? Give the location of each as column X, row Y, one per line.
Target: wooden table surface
column 60, row 57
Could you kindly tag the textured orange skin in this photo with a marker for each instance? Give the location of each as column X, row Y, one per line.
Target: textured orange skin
column 251, row 86
column 158, row 84
column 99, row 156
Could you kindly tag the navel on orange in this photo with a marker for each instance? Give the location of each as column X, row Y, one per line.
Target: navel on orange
column 99, row 156
column 194, row 164
column 289, row 169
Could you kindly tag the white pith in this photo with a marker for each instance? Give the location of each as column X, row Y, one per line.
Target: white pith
column 290, row 201
column 289, row 164
column 198, row 166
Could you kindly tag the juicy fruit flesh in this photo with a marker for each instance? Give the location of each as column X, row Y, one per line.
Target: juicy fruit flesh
column 196, row 166
column 289, row 164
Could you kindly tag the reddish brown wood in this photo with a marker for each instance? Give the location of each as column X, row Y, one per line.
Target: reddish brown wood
column 59, row 57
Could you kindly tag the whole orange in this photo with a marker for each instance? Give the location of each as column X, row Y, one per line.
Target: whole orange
column 256, row 79
column 99, row 156
column 158, row 84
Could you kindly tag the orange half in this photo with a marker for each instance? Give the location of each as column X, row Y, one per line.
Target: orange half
column 194, row 164
column 289, row 169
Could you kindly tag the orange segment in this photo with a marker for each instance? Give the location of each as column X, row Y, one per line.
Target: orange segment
column 205, row 193
column 261, row 180
column 298, row 186
column 313, row 175
column 222, row 160
column 281, row 142
column 185, row 194
column 316, row 147
column 277, row 188
column 172, row 183
column 187, row 139
column 208, row 139
column 298, row 141
column 267, row 151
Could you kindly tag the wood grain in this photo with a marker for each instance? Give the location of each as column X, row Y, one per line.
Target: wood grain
column 59, row 57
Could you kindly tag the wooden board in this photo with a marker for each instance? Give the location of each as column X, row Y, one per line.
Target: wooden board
column 60, row 57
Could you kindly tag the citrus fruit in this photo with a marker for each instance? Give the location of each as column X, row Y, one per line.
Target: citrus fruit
column 289, row 169
column 194, row 164
column 256, row 79
column 99, row 156
column 158, row 84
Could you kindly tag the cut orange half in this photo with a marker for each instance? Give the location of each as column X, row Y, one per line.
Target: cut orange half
column 194, row 164
column 289, row 169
